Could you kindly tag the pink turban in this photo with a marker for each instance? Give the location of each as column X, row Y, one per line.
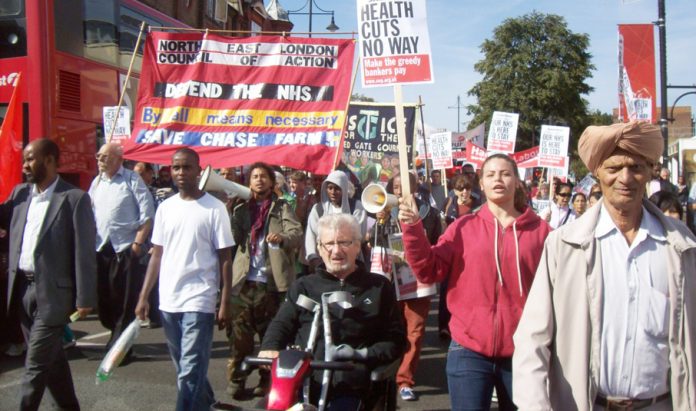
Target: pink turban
column 597, row 143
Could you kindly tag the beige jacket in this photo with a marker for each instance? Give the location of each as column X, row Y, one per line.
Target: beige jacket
column 282, row 220
column 556, row 360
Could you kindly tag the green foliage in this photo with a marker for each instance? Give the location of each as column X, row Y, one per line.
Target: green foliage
column 595, row 118
column 361, row 98
column 537, row 67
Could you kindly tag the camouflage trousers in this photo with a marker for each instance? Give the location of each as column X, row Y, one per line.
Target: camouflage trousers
column 251, row 312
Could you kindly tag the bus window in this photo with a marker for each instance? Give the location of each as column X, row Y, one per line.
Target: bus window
column 10, row 8
column 100, row 31
column 13, row 33
column 67, row 21
column 129, row 28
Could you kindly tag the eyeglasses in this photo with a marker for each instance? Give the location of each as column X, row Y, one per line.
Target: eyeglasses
column 101, row 156
column 343, row 245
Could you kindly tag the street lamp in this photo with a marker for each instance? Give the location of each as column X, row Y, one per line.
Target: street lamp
column 332, row 27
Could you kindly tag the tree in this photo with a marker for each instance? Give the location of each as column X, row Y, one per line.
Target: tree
column 362, row 98
column 537, row 67
column 595, row 118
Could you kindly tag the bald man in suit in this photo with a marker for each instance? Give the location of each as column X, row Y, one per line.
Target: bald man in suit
column 52, row 270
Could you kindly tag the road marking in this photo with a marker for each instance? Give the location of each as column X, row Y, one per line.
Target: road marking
column 94, row 336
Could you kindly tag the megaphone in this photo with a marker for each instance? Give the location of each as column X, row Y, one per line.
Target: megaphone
column 375, row 199
column 212, row 181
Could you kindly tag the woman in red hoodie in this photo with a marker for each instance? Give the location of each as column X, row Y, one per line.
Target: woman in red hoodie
column 489, row 259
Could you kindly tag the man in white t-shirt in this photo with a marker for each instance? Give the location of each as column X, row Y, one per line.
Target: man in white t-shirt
column 192, row 242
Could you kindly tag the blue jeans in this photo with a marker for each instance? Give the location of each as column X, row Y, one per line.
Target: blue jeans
column 190, row 340
column 472, row 376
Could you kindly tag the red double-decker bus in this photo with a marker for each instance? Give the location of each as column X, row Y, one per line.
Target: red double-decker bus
column 73, row 56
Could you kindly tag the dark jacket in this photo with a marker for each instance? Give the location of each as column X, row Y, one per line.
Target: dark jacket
column 64, row 258
column 281, row 220
column 374, row 322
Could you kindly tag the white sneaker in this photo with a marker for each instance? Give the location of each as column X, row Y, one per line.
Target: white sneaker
column 407, row 394
column 15, row 350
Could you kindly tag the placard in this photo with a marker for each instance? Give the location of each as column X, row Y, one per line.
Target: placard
column 394, row 43
column 440, row 148
column 503, row 132
column 407, row 285
column 553, row 146
column 121, row 126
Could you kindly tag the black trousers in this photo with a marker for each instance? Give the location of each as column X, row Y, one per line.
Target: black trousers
column 46, row 365
column 119, row 279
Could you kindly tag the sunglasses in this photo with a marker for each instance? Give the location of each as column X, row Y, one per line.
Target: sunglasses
column 564, row 195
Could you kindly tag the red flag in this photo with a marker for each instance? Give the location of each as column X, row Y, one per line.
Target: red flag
column 637, row 94
column 11, row 144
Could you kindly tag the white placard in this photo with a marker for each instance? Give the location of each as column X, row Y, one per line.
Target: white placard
column 503, row 132
column 553, row 146
column 394, row 43
column 440, row 148
column 121, row 126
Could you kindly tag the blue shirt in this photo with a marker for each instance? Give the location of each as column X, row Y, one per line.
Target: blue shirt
column 121, row 205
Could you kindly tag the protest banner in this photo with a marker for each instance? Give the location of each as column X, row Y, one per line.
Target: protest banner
column 637, row 93
column 237, row 100
column 370, row 145
column 393, row 42
column 527, row 158
column 503, row 132
column 118, row 128
column 459, row 140
column 524, row 159
column 475, row 155
column 553, row 146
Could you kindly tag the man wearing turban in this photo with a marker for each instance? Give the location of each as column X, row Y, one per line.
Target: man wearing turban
column 610, row 321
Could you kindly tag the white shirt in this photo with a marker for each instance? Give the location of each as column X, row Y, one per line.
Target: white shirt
column 190, row 233
column 121, row 205
column 36, row 215
column 634, row 352
column 559, row 215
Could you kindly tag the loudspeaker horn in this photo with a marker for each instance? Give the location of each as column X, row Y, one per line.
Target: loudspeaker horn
column 375, row 199
column 212, row 181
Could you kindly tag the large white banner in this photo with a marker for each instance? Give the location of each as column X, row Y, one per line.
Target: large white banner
column 394, row 43
column 503, row 132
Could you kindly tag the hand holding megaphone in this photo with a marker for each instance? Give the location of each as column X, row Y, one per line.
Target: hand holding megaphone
column 212, row 181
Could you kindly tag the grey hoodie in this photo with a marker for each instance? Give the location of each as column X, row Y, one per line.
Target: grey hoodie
column 340, row 179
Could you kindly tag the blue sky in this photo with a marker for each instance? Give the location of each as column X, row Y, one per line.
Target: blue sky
column 458, row 27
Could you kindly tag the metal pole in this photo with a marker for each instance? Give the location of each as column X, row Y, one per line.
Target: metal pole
column 663, row 76
column 311, row 2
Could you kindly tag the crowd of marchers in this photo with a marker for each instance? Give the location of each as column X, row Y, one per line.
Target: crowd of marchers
column 553, row 296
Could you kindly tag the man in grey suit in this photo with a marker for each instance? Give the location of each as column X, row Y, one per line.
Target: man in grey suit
column 52, row 267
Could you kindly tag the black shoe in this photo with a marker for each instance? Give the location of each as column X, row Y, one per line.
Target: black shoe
column 235, row 388
column 264, row 384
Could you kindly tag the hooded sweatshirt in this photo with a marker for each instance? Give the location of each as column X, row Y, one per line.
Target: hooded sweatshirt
column 490, row 271
column 340, row 179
